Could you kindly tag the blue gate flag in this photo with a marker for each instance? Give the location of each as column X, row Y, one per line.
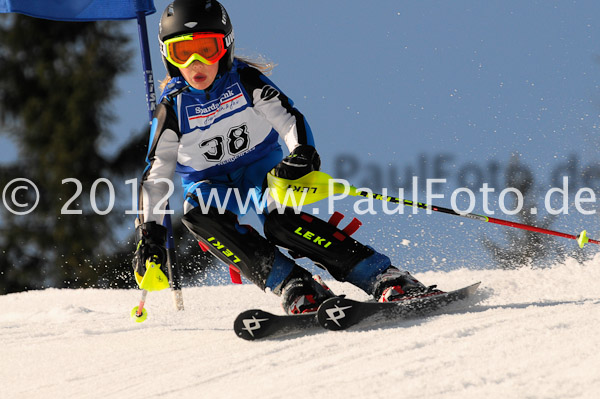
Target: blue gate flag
column 79, row 10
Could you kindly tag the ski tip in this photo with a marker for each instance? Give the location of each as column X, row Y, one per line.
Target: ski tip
column 252, row 324
column 336, row 313
column 473, row 287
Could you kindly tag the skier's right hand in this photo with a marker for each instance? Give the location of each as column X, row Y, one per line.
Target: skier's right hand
column 150, row 239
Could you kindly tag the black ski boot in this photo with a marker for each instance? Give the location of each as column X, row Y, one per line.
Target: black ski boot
column 304, row 294
column 395, row 285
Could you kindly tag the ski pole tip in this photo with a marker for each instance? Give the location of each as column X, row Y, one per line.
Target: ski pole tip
column 138, row 316
column 582, row 239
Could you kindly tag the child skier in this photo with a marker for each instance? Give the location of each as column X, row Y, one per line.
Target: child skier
column 217, row 125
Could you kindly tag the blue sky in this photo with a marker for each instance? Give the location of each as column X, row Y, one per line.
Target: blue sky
column 397, row 87
column 478, row 80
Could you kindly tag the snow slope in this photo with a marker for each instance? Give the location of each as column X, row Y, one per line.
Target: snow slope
column 530, row 333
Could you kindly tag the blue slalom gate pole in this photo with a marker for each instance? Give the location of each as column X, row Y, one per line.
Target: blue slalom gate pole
column 172, row 267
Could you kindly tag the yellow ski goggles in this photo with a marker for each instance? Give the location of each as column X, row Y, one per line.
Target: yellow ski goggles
column 181, row 51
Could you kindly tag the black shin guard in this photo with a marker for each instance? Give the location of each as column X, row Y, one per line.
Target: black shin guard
column 240, row 246
column 323, row 243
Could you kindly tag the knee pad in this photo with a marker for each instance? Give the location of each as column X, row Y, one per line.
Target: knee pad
column 322, row 242
column 237, row 245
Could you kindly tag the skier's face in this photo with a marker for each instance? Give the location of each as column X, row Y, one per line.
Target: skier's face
column 200, row 76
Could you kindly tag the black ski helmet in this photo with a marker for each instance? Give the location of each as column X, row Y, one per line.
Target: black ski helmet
column 189, row 16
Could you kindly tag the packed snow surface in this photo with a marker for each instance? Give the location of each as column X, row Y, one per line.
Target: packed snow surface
column 528, row 333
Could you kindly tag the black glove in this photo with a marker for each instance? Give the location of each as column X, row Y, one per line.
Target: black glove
column 150, row 239
column 303, row 160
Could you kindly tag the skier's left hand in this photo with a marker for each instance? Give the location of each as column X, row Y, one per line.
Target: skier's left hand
column 302, row 160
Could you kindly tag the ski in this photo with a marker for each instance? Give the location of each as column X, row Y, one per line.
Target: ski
column 257, row 324
column 339, row 313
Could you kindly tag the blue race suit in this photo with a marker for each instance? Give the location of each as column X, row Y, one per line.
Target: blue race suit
column 227, row 137
column 215, row 135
